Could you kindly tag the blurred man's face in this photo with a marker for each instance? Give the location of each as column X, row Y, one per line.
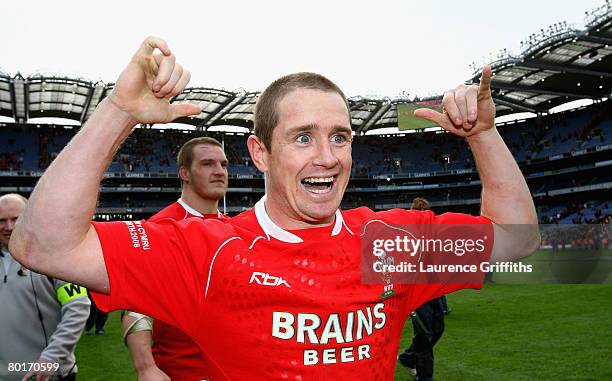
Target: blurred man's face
column 310, row 161
column 10, row 209
column 207, row 176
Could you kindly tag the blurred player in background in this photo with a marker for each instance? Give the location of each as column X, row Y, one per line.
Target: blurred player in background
column 427, row 326
column 42, row 318
column 276, row 292
column 173, row 355
column 97, row 318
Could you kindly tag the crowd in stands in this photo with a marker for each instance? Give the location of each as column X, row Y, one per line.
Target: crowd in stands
column 150, row 150
column 576, row 236
column 50, row 142
column 11, row 161
column 578, row 213
column 154, row 151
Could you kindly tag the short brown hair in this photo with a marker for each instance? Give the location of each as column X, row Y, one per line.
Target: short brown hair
column 185, row 154
column 266, row 113
column 420, row 203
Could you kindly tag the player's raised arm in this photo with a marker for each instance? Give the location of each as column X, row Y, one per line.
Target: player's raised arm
column 469, row 112
column 54, row 236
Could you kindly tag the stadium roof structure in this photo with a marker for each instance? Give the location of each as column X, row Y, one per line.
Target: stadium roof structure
column 556, row 66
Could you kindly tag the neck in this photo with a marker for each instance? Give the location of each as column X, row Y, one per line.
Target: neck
column 287, row 222
column 202, row 205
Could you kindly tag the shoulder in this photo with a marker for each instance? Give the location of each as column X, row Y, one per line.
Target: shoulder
column 174, row 211
column 364, row 215
column 357, row 220
column 217, row 232
column 223, row 217
column 246, row 221
column 244, row 224
column 403, row 216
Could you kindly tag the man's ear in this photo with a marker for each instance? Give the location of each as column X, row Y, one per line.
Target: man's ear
column 259, row 153
column 184, row 174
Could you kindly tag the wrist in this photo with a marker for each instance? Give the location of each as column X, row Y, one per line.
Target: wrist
column 142, row 367
column 483, row 136
column 121, row 116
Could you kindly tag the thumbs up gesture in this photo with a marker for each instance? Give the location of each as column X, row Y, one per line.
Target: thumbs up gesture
column 467, row 110
column 146, row 85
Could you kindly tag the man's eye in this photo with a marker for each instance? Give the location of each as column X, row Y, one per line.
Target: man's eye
column 303, row 139
column 339, row 139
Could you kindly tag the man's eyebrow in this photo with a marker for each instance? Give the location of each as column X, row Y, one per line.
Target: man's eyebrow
column 303, row 128
column 345, row 129
column 209, row 160
column 310, row 127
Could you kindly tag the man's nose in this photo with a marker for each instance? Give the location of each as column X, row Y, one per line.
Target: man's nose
column 325, row 155
column 9, row 225
column 219, row 169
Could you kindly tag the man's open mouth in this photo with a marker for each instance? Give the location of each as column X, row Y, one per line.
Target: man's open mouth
column 318, row 184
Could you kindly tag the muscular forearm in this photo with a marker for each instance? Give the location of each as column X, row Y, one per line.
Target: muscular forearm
column 469, row 112
column 506, row 199
column 53, row 236
column 57, row 217
column 139, row 345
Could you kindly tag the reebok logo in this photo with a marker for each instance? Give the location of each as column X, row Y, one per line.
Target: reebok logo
column 266, row 279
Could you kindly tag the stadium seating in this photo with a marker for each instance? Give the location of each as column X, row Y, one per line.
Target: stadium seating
column 393, row 169
column 154, row 151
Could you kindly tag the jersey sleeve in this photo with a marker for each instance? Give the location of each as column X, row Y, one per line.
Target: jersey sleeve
column 458, row 219
column 453, row 226
column 152, row 268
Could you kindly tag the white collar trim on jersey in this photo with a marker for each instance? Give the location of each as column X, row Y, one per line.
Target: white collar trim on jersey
column 273, row 230
column 191, row 210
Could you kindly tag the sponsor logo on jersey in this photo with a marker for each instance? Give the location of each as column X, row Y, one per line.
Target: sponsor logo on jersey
column 266, row 279
column 320, row 332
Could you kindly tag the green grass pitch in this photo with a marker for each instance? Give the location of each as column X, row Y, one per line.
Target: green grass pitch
column 503, row 332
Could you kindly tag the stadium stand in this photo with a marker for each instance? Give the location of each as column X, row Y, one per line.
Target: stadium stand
column 557, row 152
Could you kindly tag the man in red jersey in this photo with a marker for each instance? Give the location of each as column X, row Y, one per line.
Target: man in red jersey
column 203, row 174
column 275, row 293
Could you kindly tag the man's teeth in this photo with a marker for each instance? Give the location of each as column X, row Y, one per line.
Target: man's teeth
column 315, row 180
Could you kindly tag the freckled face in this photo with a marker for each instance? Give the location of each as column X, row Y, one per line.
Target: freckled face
column 310, row 163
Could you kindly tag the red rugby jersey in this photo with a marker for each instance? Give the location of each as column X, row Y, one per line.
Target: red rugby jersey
column 175, row 352
column 179, row 210
column 264, row 303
